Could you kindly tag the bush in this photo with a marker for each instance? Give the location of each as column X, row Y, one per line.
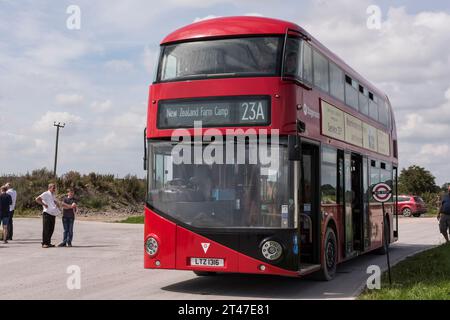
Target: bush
column 94, row 191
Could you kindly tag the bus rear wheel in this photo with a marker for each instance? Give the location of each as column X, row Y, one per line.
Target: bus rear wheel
column 329, row 256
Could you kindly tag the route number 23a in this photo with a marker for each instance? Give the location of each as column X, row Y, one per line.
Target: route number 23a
column 252, row 111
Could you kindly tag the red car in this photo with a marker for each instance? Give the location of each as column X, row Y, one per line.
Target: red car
column 411, row 205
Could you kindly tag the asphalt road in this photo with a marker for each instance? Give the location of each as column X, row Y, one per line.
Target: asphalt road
column 109, row 257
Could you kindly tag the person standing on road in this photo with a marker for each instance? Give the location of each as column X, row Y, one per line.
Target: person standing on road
column 50, row 209
column 68, row 219
column 5, row 203
column 444, row 215
column 13, row 195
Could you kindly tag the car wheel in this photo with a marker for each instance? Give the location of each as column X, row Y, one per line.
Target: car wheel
column 407, row 212
column 330, row 255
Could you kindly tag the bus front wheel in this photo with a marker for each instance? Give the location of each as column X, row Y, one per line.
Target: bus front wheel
column 329, row 256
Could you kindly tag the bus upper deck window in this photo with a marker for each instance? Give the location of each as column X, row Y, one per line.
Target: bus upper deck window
column 292, row 58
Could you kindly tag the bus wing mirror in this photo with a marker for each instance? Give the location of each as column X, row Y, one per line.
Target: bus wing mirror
column 145, row 149
column 301, row 126
column 294, row 148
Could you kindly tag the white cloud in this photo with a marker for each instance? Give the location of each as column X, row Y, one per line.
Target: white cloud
column 436, row 150
column 150, row 59
column 208, row 17
column 408, row 58
column 45, row 123
column 119, row 65
column 69, row 99
column 447, row 94
column 254, row 14
column 101, row 106
column 55, row 49
column 130, row 121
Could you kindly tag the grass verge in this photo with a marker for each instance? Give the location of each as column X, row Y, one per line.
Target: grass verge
column 133, row 219
column 425, row 276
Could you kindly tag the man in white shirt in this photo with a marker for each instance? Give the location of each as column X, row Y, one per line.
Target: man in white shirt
column 12, row 207
column 50, row 209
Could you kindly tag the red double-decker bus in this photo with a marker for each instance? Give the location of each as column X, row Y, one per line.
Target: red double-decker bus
column 261, row 148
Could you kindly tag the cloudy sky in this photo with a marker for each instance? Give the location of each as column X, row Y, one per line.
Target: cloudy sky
column 96, row 79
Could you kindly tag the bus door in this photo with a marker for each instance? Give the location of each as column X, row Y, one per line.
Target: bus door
column 357, row 202
column 308, row 200
column 366, row 217
column 353, row 203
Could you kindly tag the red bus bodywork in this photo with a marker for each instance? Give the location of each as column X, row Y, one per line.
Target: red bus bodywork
column 176, row 242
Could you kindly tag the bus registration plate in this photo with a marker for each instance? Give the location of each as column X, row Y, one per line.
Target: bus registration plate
column 207, row 262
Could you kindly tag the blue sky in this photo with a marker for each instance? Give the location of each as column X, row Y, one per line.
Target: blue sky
column 96, row 79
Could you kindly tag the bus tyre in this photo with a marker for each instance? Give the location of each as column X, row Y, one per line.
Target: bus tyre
column 205, row 273
column 329, row 256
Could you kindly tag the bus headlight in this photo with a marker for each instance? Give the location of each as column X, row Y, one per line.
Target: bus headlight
column 271, row 250
column 151, row 246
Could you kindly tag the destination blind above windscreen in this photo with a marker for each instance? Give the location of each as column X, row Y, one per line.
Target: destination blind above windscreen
column 214, row 112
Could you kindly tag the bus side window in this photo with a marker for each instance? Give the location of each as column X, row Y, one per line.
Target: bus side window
column 373, row 106
column 336, row 82
column 307, row 63
column 321, row 73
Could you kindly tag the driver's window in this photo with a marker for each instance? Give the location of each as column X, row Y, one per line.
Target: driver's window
column 292, row 59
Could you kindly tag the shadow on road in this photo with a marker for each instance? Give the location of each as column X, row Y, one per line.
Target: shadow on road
column 240, row 285
column 13, row 242
column 350, row 275
column 94, row 246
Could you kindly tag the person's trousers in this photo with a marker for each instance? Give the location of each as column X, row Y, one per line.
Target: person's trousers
column 48, row 226
column 444, row 223
column 10, row 225
column 68, row 229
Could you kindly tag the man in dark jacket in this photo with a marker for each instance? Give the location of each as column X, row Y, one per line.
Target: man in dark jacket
column 5, row 202
column 444, row 215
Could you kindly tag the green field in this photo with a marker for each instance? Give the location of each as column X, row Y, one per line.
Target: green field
column 425, row 276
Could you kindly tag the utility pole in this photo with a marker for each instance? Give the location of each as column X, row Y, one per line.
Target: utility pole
column 58, row 126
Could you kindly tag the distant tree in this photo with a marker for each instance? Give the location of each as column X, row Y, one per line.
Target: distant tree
column 416, row 180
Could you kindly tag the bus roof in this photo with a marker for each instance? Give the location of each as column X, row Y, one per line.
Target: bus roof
column 250, row 25
column 230, row 26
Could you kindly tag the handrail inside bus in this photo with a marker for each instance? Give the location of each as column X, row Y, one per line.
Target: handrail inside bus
column 310, row 224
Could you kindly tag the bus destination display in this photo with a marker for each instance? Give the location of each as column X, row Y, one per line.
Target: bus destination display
column 221, row 112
